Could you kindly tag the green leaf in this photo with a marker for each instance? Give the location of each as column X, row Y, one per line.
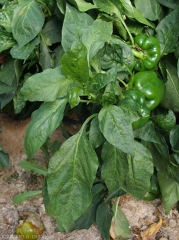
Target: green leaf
column 95, row 36
column 132, row 12
column 44, row 121
column 165, row 29
column 169, row 3
column 83, row 6
column 51, row 33
column 25, row 51
column 45, row 59
column 75, row 64
column 116, row 128
column 32, row 166
column 150, row 10
column 165, row 121
column 21, row 197
column 6, row 18
column 89, row 217
column 71, row 174
column 6, row 41
column 40, row 86
column 170, row 191
column 74, row 96
column 117, row 54
column 104, row 216
column 95, row 136
column 4, row 159
column 140, row 169
column 161, row 158
column 147, row 133
column 114, row 168
column 74, row 24
column 174, row 138
column 7, row 72
column 120, row 224
column 27, row 22
column 171, row 96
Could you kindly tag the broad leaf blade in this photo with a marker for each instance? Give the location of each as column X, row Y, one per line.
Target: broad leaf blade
column 170, row 191
column 120, row 225
column 95, row 136
column 75, row 64
column 27, row 22
column 114, row 167
column 104, row 216
column 165, row 30
column 150, row 10
column 44, row 121
column 40, row 86
column 74, row 24
column 171, row 96
column 140, row 169
column 116, row 128
column 24, row 52
column 71, row 173
column 95, row 36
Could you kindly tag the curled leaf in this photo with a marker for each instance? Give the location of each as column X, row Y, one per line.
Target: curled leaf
column 151, row 231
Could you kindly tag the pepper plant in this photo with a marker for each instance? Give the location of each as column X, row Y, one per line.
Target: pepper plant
column 119, row 60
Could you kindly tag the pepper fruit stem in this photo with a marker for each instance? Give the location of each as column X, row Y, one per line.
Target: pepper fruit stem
column 138, row 54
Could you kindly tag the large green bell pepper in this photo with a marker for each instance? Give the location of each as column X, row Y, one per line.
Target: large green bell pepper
column 139, row 104
column 151, row 86
column 147, row 52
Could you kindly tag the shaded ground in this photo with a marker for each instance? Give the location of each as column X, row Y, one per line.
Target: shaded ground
column 14, row 180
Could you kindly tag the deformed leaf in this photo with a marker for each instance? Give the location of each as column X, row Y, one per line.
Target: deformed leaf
column 151, row 231
column 71, row 174
column 44, row 121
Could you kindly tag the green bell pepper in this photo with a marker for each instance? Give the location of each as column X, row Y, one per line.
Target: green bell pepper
column 147, row 52
column 151, row 86
column 139, row 104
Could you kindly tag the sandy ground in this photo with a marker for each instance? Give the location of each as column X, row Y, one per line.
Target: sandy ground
column 141, row 214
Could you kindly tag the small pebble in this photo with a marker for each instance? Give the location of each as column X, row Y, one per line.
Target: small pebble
column 172, row 223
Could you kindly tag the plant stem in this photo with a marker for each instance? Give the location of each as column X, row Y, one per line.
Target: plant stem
column 45, row 6
column 138, row 54
column 125, row 84
column 118, row 14
column 87, row 120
